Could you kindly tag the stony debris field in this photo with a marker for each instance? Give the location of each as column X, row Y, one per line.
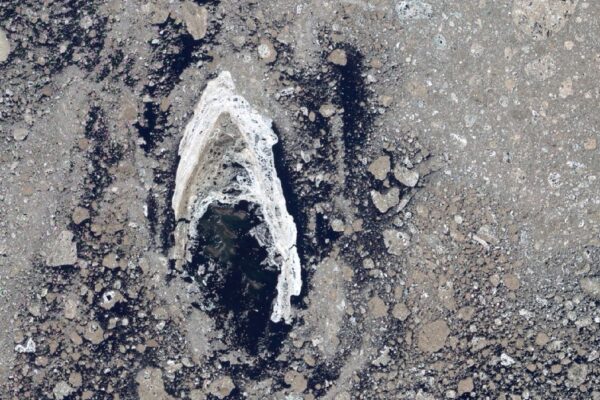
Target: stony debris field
column 299, row 199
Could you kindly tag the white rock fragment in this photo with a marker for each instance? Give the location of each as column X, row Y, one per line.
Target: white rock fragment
column 338, row 57
column 28, row 348
column 4, row 47
column 195, row 18
column 63, row 251
column 62, row 390
column 327, row 110
column 384, row 201
column 266, row 51
column 506, row 360
column 413, row 9
column 396, row 241
column 20, row 134
column 227, row 157
column 380, row 167
column 405, row 176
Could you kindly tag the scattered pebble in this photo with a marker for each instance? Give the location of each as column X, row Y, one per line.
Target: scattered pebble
column 62, row 390
column 511, row 281
column 327, row 110
column 4, row 47
column 266, row 51
column 541, row 19
column 405, row 176
column 591, row 287
column 590, row 144
column 377, row 307
column 195, row 18
column 296, row 381
column 20, row 134
column 384, row 201
column 338, row 57
column 80, row 215
column 28, row 348
column 577, row 374
column 94, row 332
column 401, row 312
column 151, row 385
column 465, row 386
column 63, row 251
column 396, row 241
column 221, row 387
column 432, row 336
column 413, row 9
column 380, row 167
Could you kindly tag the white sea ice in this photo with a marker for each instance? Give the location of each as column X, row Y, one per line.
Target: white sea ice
column 226, row 156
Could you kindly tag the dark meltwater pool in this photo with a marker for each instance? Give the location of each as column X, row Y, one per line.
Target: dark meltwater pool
column 237, row 286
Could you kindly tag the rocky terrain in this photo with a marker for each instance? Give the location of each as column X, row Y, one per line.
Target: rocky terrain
column 440, row 160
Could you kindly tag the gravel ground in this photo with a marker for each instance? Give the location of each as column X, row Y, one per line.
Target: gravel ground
column 440, row 160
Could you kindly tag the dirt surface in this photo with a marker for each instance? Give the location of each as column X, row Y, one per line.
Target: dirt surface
column 440, row 160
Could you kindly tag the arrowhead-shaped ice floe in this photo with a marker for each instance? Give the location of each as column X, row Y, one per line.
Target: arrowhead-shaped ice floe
column 226, row 156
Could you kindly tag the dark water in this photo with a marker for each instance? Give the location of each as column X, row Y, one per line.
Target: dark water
column 240, row 286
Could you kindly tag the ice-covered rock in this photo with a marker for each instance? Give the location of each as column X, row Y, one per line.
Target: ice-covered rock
column 227, row 157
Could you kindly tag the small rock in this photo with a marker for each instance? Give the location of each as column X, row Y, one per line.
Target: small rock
column 413, row 9
column 386, row 100
column 384, row 201
column 466, row 313
column 380, row 167
column 158, row 14
column 28, row 348
column 432, row 336
column 110, row 298
column 338, row 57
column 327, row 110
column 566, row 88
column 41, row 361
column 296, row 381
column 20, row 134
column 486, row 233
column 62, row 390
column 401, row 312
column 343, row 396
column 75, row 379
column 338, row 225
column 222, row 387
column 94, row 332
column 577, row 374
column 70, row 308
column 541, row 339
column 80, row 215
column 110, row 261
column 590, row 144
column 151, row 385
column 377, row 307
column 465, row 386
column 75, row 338
column 511, row 281
column 4, row 47
column 64, row 251
column 591, row 287
column 35, row 309
column 266, row 51
column 406, row 176
column 197, row 394
column 195, row 18
column 506, row 360
column 396, row 241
